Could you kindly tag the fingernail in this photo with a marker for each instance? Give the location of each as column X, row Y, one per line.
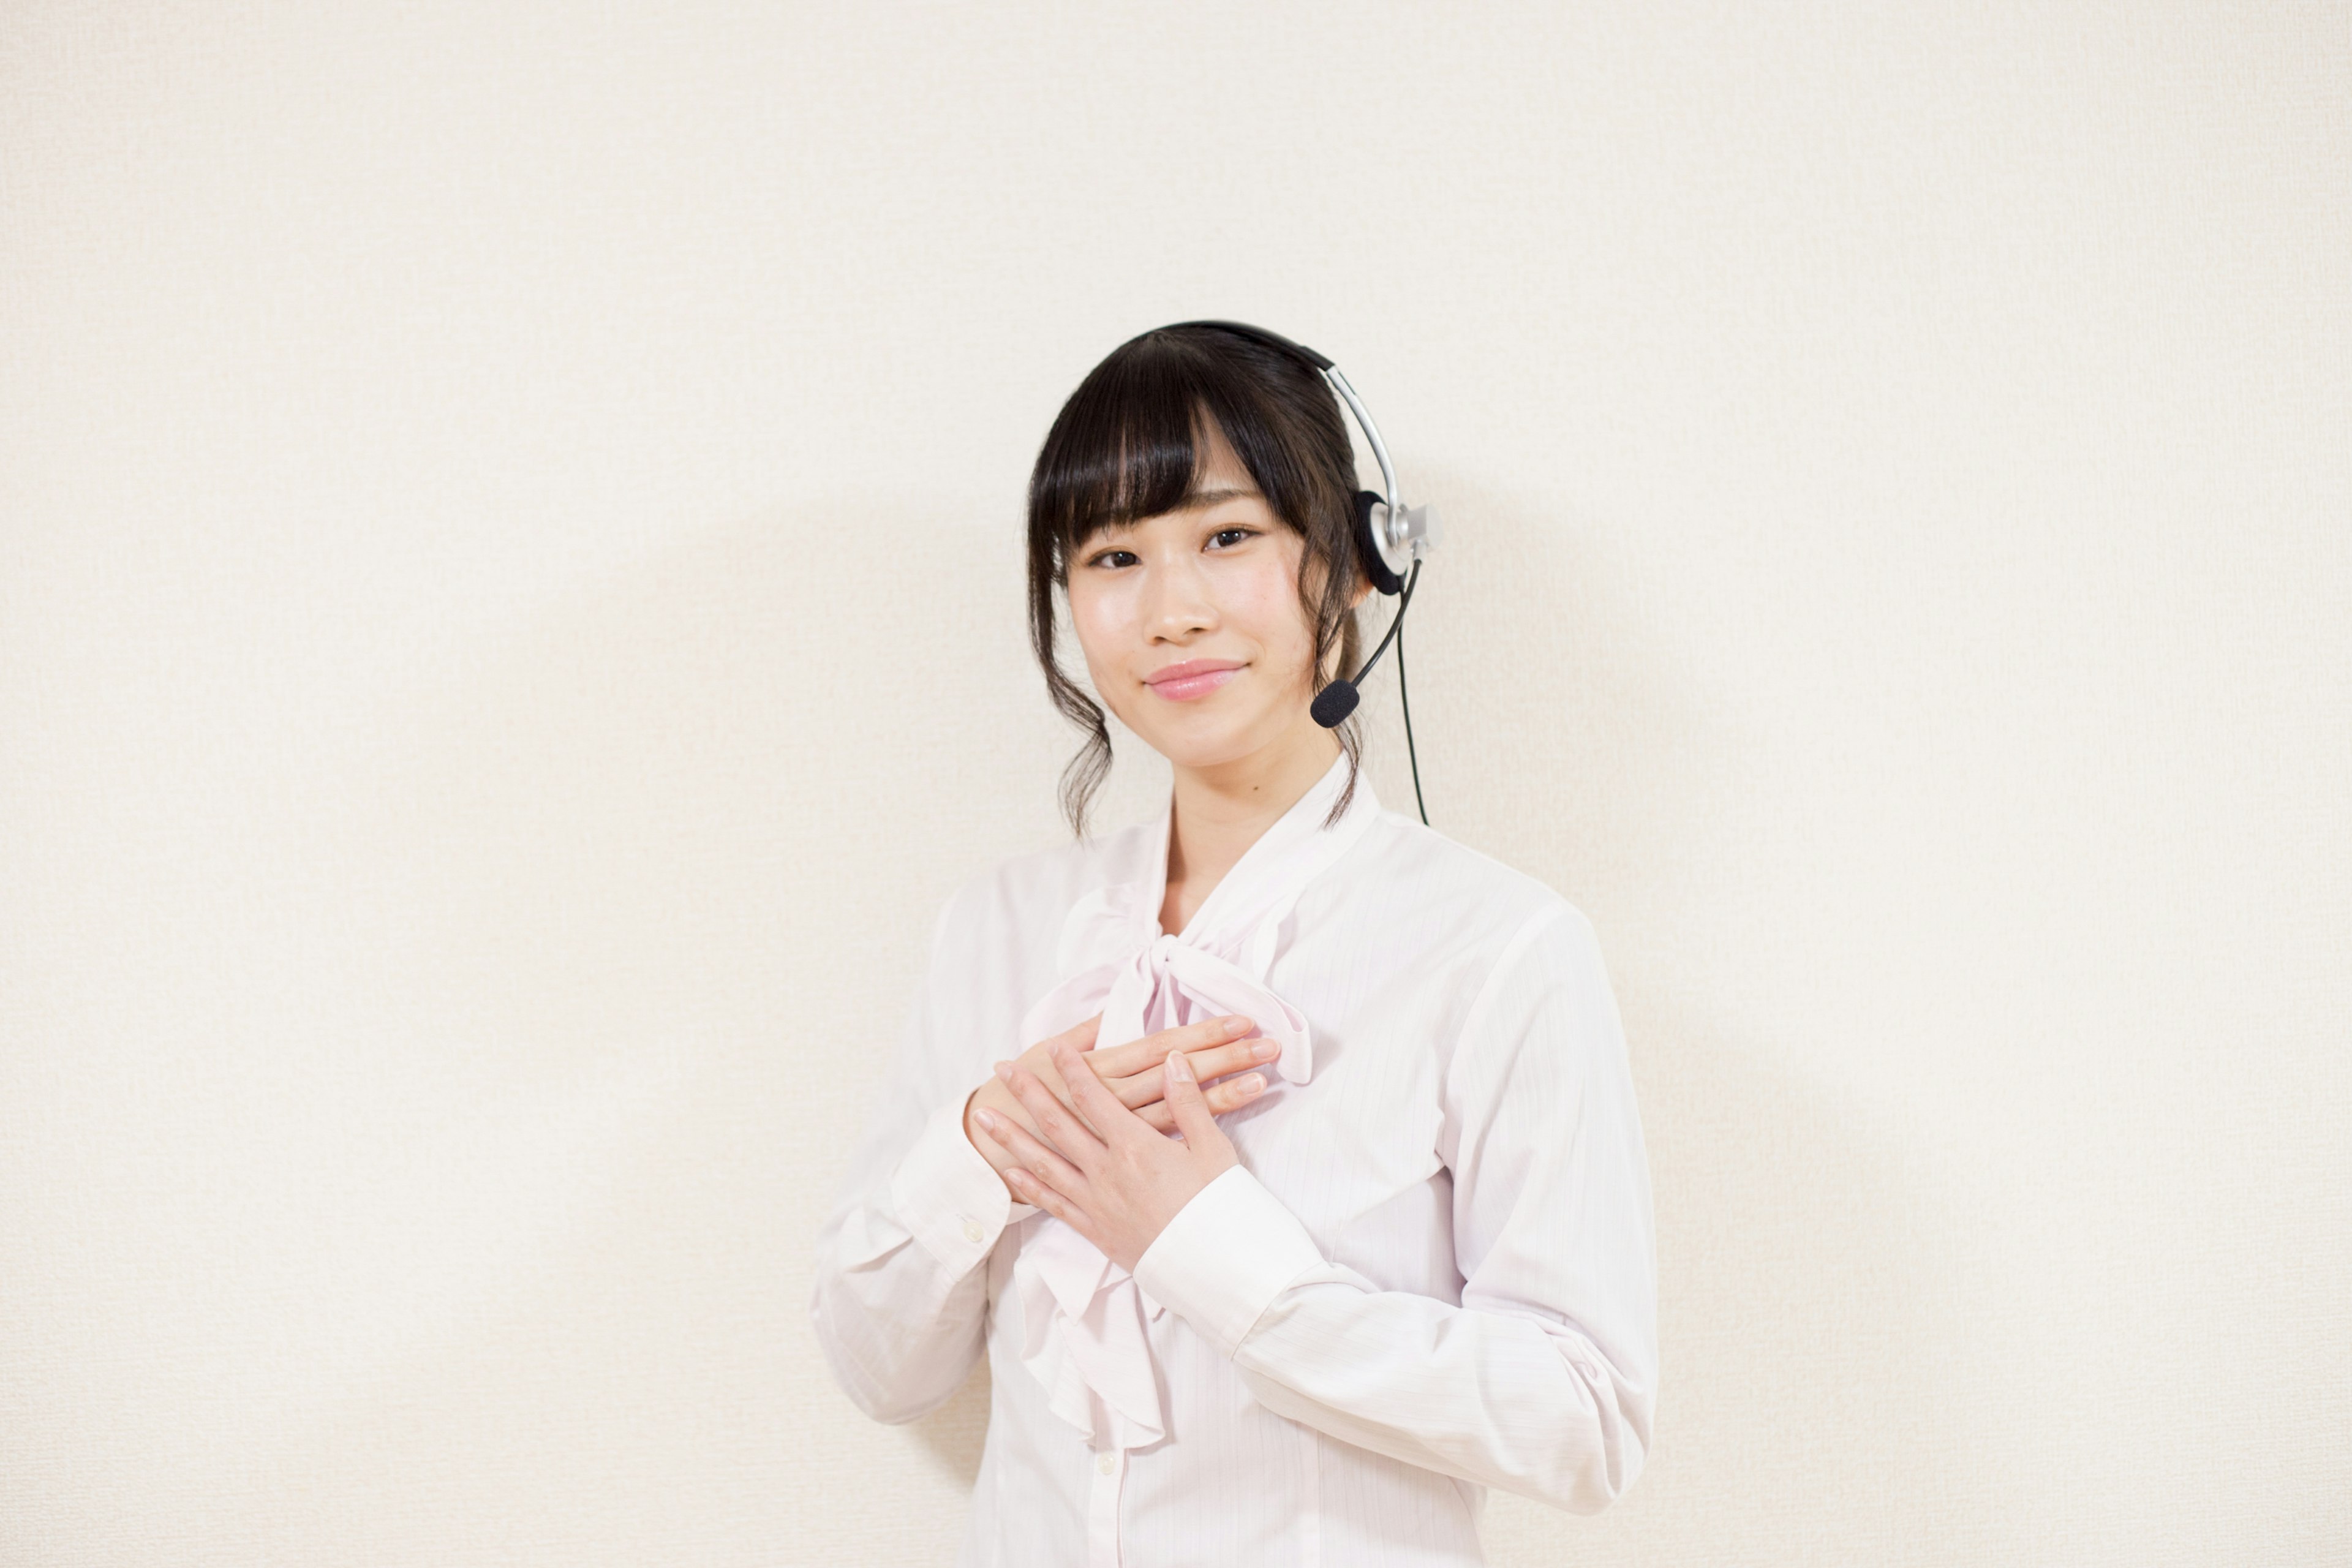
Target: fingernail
column 1004, row 1071
column 987, row 1118
column 1252, row 1084
column 1237, row 1025
column 1180, row 1065
column 1263, row 1050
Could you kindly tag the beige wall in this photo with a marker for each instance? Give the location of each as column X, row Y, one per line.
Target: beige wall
column 510, row 624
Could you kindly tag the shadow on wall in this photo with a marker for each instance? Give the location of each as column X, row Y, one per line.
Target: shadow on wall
column 1807, row 1343
column 684, row 833
column 1811, row 1341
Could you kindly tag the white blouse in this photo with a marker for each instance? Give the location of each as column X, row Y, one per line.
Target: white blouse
column 1433, row 1270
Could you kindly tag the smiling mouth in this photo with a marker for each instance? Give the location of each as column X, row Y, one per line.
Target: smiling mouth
column 1186, row 688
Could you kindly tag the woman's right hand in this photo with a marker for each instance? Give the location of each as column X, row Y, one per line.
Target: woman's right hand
column 1132, row 1072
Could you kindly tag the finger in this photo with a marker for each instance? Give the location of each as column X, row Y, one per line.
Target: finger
column 1063, row 1131
column 1230, row 1095
column 1083, row 1034
column 1224, row 1096
column 1049, row 1072
column 1080, row 1036
column 1047, row 1079
column 1098, row 1105
column 1192, row 1118
column 1143, row 1087
column 1137, row 1090
column 1051, row 1077
column 1241, row 1055
column 1221, row 1097
column 1137, row 1055
column 1029, row 1190
column 1035, row 1158
column 996, row 1096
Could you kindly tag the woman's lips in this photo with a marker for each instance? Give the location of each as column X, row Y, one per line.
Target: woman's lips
column 1185, row 687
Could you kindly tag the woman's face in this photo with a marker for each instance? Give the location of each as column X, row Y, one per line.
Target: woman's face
column 1191, row 621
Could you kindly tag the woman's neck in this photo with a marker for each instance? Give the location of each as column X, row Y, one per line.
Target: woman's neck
column 1219, row 812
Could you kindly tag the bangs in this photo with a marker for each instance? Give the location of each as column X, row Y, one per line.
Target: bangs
column 1129, row 444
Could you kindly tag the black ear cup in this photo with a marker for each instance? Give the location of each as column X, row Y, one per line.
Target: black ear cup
column 1367, row 544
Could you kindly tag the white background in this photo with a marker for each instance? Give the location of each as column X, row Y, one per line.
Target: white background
column 510, row 625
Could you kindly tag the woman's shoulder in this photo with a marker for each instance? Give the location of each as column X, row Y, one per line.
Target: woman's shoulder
column 1501, row 945
column 1445, row 867
column 1462, row 900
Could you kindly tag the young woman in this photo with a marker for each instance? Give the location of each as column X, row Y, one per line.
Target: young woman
column 1281, row 1152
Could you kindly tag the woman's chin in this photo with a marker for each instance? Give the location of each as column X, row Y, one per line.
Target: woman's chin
column 1197, row 751
column 1209, row 743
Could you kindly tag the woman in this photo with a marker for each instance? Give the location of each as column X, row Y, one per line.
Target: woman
column 1312, row 1200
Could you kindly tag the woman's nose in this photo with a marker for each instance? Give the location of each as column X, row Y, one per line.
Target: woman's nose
column 1177, row 602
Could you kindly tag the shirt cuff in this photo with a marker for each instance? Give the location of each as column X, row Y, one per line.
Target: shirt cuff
column 1224, row 1257
column 949, row 1198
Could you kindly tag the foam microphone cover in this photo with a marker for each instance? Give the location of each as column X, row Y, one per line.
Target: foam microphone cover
column 1334, row 703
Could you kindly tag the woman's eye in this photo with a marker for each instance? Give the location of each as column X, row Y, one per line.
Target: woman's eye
column 1118, row 558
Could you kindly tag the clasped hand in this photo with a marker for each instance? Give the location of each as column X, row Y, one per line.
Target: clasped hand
column 1132, row 1072
column 1114, row 1177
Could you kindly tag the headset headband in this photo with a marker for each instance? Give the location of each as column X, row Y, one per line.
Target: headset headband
column 1338, row 384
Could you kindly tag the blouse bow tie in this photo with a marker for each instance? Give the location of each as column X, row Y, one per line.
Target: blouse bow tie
column 1084, row 1334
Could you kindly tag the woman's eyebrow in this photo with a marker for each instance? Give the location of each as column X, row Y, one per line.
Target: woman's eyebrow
column 1196, row 498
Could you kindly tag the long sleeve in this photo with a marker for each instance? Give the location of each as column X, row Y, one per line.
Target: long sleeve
column 901, row 1295
column 1542, row 1381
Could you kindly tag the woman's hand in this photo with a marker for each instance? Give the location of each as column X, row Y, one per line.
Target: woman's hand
column 1130, row 1072
column 1116, row 1180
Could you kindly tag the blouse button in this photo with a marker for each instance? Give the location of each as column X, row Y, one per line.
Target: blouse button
column 1105, row 1463
column 972, row 1231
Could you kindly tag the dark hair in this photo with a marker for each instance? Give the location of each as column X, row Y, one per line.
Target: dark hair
column 1126, row 447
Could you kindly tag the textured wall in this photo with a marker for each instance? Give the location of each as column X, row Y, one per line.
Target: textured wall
column 510, row 624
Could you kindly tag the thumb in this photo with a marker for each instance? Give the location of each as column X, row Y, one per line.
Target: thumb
column 1184, row 1103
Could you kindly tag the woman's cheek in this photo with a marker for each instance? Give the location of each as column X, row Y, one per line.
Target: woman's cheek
column 1278, row 625
column 1095, row 622
column 1111, row 692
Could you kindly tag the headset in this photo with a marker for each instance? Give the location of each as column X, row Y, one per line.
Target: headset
column 1390, row 538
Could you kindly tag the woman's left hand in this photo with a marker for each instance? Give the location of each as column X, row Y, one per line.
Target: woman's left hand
column 1120, row 1189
